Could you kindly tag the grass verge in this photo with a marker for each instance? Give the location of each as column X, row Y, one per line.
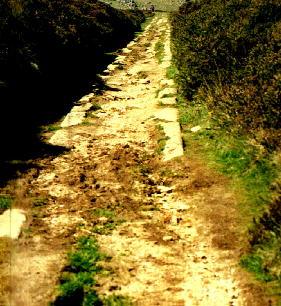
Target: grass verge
column 254, row 175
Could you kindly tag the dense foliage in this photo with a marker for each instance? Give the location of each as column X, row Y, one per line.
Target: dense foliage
column 48, row 37
column 50, row 54
column 229, row 53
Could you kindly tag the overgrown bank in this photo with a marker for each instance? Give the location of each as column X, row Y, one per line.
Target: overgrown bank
column 228, row 60
column 50, row 53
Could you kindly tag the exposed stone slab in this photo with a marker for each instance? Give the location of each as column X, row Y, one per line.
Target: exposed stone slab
column 111, row 67
column 73, row 118
column 167, row 101
column 60, row 138
column 167, row 91
column 11, row 222
column 81, row 108
column 126, row 50
column 87, row 98
column 173, row 147
column 167, row 82
column 169, row 114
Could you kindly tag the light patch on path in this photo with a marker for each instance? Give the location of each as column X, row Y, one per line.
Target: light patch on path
column 11, row 222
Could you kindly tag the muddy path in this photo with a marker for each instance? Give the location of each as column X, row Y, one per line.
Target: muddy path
column 169, row 224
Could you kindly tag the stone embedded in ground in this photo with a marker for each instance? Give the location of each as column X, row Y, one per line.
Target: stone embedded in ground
column 111, row 67
column 173, row 147
column 195, row 128
column 87, row 97
column 144, row 81
column 73, row 118
column 166, row 82
column 169, row 114
column 167, row 91
column 11, row 222
column 167, row 101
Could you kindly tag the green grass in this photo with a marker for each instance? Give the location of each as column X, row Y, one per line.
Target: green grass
column 109, row 224
column 252, row 173
column 86, row 122
column 78, row 279
column 171, row 72
column 95, row 107
column 104, row 212
column 51, row 128
column 76, row 283
column 159, row 49
column 5, row 202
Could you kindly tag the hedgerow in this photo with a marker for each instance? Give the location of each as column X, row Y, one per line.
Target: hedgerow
column 56, row 38
column 229, row 53
column 228, row 58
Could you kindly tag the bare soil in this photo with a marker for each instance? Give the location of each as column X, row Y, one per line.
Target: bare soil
column 175, row 237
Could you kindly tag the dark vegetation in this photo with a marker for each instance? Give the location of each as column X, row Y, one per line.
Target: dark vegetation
column 50, row 54
column 228, row 58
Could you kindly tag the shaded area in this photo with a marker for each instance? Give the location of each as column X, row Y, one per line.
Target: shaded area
column 50, row 55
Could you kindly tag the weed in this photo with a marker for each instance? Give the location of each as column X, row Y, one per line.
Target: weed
column 147, row 44
column 86, row 122
column 76, row 283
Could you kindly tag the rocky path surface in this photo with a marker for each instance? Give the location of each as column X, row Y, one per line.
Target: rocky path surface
column 167, row 223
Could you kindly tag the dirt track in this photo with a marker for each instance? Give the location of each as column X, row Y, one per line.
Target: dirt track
column 178, row 244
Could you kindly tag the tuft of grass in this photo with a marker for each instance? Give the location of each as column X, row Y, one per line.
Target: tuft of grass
column 104, row 212
column 86, row 122
column 5, row 202
column 51, row 128
column 254, row 263
column 95, row 107
column 76, row 283
column 107, row 227
column 161, row 144
column 159, row 49
column 171, row 72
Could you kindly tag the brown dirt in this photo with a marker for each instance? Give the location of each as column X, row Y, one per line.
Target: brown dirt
column 180, row 242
